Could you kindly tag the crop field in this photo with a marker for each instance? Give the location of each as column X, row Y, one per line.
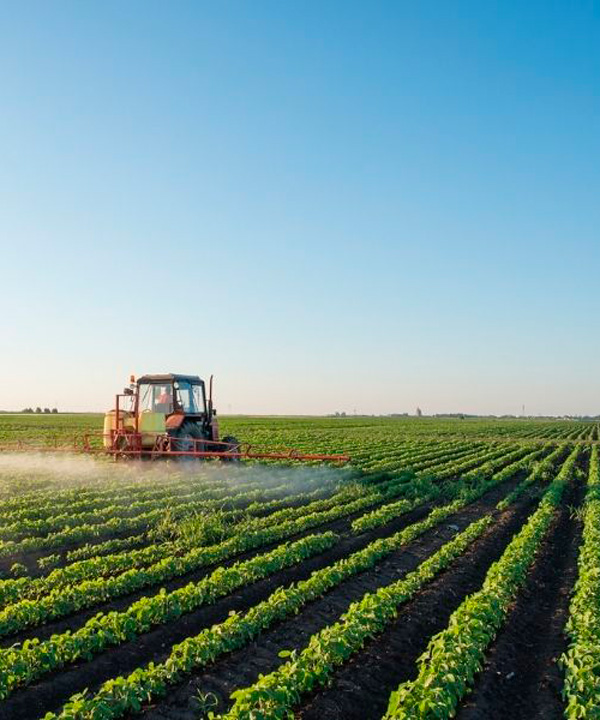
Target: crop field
column 451, row 569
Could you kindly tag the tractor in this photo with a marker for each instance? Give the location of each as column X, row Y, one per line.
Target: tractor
column 168, row 414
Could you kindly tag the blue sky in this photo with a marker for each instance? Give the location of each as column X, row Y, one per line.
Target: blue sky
column 330, row 205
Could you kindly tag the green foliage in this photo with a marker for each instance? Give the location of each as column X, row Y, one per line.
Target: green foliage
column 204, row 703
column 273, row 695
column 63, row 597
column 18, row 569
column 125, row 694
column 200, row 528
column 581, row 661
column 48, row 562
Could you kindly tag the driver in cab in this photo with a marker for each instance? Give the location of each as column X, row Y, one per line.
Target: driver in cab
column 164, row 402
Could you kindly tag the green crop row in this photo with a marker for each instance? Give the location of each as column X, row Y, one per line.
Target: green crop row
column 35, row 658
column 74, row 530
column 34, row 514
column 106, row 547
column 96, row 567
column 419, row 457
column 122, row 694
column 274, row 695
column 581, row 662
column 197, row 499
column 452, row 469
column 77, row 531
column 50, row 512
column 463, row 492
column 490, row 467
column 541, row 469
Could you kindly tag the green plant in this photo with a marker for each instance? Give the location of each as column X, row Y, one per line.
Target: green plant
column 205, row 529
column 581, row 661
column 204, row 703
column 18, row 569
column 50, row 561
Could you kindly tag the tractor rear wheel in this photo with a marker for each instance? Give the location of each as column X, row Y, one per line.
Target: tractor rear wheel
column 230, row 444
column 186, row 439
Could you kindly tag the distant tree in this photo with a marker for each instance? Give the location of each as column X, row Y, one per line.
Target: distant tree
column 419, row 412
column 47, row 411
column 343, row 414
column 55, row 411
column 27, row 410
column 38, row 410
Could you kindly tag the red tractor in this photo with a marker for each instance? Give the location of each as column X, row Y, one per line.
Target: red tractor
column 167, row 414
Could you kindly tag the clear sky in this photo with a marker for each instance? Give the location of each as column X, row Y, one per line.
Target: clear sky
column 328, row 205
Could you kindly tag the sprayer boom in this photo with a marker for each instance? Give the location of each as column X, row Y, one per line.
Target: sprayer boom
column 168, row 416
column 131, row 449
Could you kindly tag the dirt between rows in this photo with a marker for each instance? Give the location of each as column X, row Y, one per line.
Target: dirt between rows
column 51, row 692
column 30, row 559
column 521, row 678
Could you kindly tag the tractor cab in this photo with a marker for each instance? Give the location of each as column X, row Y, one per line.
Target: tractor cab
column 169, row 403
column 167, row 413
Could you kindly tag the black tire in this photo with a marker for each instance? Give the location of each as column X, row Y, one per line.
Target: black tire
column 228, row 441
column 122, row 445
column 185, row 440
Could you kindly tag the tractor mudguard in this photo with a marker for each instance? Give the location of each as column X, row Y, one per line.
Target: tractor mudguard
column 175, row 421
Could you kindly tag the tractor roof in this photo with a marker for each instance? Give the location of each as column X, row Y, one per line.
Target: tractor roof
column 169, row 377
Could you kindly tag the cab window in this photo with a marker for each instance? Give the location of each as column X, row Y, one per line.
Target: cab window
column 156, row 398
column 190, row 397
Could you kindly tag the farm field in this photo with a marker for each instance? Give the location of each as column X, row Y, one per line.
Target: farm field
column 451, row 569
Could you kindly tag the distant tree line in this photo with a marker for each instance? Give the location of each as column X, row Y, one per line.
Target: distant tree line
column 39, row 411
